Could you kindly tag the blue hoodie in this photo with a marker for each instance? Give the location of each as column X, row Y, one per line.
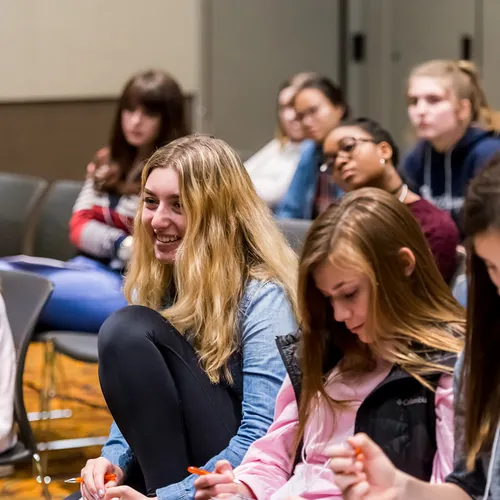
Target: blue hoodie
column 442, row 178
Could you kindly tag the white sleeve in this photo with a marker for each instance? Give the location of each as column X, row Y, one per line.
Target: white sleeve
column 7, row 379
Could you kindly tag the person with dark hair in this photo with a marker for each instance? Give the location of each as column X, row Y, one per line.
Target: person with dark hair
column 360, row 153
column 320, row 106
column 88, row 288
column 272, row 168
column 476, row 385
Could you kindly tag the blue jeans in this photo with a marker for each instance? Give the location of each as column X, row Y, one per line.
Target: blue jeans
column 85, row 293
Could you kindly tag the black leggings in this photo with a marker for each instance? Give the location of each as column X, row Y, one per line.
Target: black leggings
column 167, row 409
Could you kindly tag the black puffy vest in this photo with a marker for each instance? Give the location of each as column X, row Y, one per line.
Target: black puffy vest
column 399, row 414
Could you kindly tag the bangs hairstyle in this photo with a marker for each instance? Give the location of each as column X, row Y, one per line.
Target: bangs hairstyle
column 463, row 79
column 160, row 95
column 480, row 378
column 231, row 237
column 409, row 317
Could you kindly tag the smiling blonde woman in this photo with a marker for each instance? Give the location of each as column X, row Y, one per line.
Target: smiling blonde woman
column 191, row 371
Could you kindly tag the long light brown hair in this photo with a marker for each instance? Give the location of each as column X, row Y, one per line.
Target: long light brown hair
column 480, row 378
column 409, row 317
column 463, row 79
column 230, row 237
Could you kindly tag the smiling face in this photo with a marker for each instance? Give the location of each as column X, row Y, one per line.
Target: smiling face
column 349, row 293
column 162, row 214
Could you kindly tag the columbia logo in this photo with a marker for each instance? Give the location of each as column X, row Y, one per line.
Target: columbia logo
column 412, row 401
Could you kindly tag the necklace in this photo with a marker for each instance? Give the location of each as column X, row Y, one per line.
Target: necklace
column 394, row 191
column 404, row 193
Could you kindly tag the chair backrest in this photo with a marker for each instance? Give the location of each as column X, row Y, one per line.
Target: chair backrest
column 295, row 231
column 51, row 238
column 19, row 195
column 25, row 295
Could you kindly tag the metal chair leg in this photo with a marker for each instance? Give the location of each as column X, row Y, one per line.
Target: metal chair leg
column 41, row 478
column 48, row 388
column 62, row 444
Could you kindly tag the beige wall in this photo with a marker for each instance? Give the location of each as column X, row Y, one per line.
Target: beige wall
column 249, row 47
column 55, row 139
column 65, row 61
column 88, row 48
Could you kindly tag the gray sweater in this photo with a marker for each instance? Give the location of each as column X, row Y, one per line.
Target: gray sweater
column 473, row 482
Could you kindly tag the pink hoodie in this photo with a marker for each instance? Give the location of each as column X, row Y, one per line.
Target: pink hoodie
column 266, row 468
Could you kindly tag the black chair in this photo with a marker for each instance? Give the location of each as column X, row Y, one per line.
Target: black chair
column 19, row 195
column 24, row 294
column 295, row 231
column 51, row 238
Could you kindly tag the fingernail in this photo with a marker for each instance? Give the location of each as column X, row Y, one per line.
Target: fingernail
column 97, row 497
column 101, row 493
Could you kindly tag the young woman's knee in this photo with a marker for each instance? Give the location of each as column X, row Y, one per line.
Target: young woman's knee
column 126, row 328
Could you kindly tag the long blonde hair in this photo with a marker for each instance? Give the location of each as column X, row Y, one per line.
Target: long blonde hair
column 409, row 316
column 230, row 238
column 463, row 79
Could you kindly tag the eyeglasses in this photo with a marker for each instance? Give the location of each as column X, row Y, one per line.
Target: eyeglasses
column 347, row 145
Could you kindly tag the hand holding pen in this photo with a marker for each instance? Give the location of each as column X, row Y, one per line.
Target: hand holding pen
column 220, row 481
column 97, row 476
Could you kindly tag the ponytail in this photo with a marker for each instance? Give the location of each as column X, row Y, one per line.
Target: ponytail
column 482, row 114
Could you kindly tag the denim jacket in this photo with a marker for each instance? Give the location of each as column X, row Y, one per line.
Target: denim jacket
column 475, row 481
column 297, row 203
column 265, row 313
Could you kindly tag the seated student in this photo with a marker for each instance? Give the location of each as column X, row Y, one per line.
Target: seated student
column 8, row 437
column 361, row 153
column 191, row 371
column 380, row 334
column 320, row 106
column 88, row 288
column 476, row 386
column 272, row 168
column 449, row 113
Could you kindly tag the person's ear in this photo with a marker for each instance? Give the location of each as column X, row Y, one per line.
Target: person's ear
column 464, row 111
column 407, row 258
column 385, row 151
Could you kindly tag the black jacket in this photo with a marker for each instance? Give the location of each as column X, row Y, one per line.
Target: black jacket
column 399, row 414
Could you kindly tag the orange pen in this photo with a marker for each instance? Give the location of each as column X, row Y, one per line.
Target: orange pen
column 203, row 472
column 107, row 477
column 196, row 470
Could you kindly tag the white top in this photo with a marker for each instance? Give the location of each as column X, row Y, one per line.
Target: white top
column 8, row 437
column 272, row 169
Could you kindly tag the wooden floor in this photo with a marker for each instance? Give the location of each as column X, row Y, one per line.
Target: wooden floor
column 77, row 388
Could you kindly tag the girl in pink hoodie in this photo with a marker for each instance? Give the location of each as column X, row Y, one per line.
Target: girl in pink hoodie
column 378, row 342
